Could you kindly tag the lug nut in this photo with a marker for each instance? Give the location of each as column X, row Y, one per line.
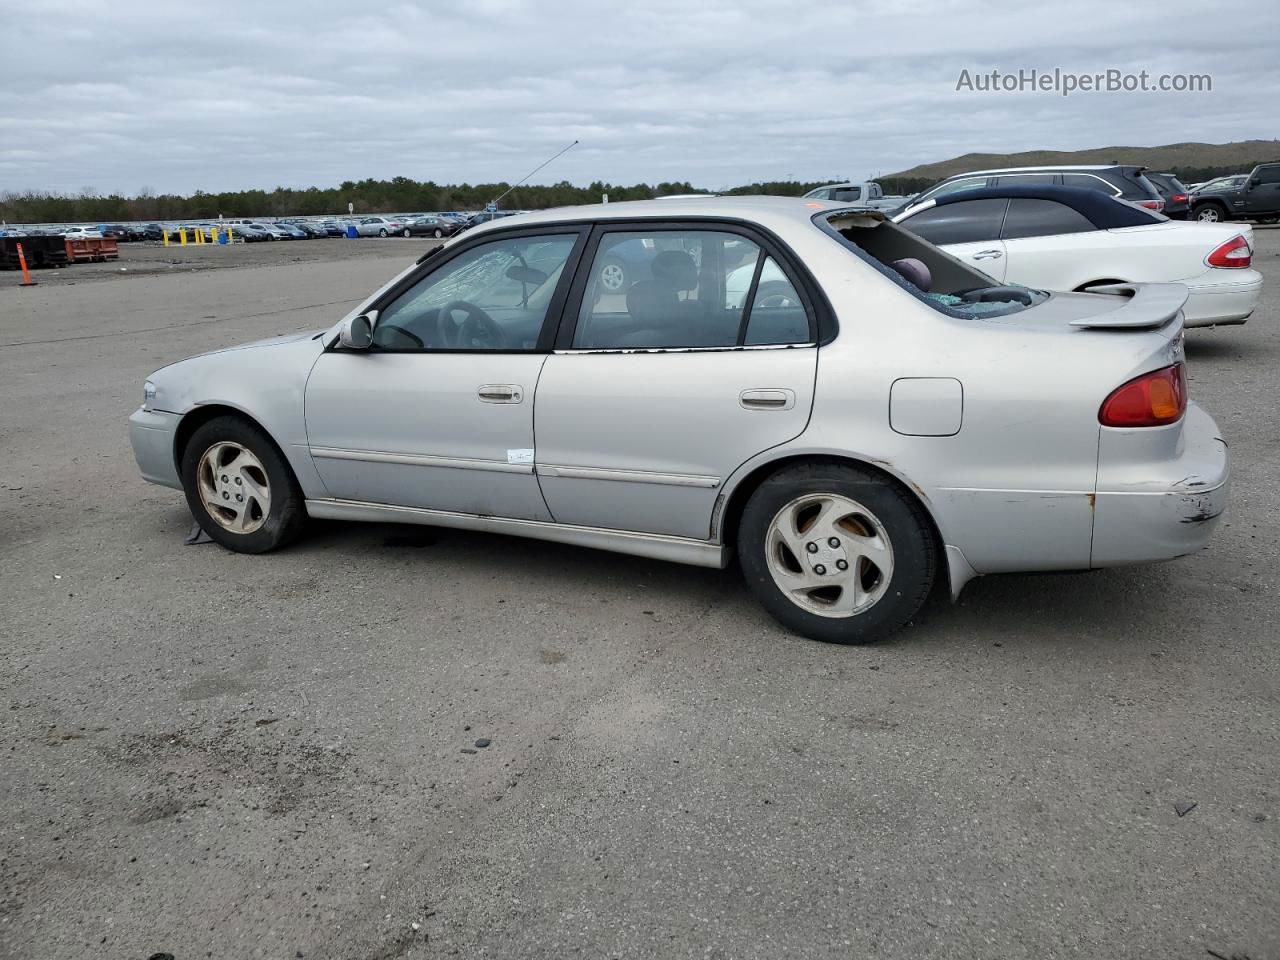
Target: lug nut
column 833, row 543
column 842, row 564
column 811, row 547
column 238, row 481
column 224, row 478
column 225, row 495
column 820, row 570
column 239, row 497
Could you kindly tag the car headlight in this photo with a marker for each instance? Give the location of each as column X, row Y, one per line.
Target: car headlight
column 148, row 394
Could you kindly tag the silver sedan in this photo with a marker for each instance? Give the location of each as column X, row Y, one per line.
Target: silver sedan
column 853, row 413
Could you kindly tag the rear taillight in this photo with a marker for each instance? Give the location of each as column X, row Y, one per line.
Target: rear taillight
column 1156, row 205
column 1235, row 253
column 1180, row 198
column 1151, row 400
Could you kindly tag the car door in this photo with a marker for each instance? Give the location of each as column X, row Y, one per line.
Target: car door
column 1263, row 194
column 1048, row 244
column 655, row 394
column 969, row 230
column 438, row 413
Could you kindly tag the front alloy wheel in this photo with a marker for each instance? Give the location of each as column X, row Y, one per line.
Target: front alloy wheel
column 1209, row 214
column 234, row 487
column 239, row 486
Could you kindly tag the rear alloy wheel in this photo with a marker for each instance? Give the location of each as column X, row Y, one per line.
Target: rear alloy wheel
column 382, row 232
column 437, row 233
column 406, row 233
column 836, row 553
column 1210, row 213
column 240, row 488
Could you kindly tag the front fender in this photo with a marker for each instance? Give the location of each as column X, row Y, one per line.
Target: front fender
column 266, row 383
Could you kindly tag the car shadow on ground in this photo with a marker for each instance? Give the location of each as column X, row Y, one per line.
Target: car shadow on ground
column 1076, row 609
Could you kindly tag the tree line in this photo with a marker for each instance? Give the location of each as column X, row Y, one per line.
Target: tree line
column 397, row 195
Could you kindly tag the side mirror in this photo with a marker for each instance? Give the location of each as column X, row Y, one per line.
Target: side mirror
column 1254, row 183
column 357, row 333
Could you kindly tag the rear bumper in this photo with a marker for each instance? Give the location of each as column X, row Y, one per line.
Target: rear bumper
column 1214, row 298
column 1147, row 510
column 151, row 434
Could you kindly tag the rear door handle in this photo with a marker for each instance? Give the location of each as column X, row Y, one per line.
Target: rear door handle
column 767, row 398
column 501, row 393
column 987, row 255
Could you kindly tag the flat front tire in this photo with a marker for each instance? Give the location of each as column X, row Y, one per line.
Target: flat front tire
column 240, row 488
column 836, row 553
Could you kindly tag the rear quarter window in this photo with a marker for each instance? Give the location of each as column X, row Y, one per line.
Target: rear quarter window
column 1042, row 218
column 971, row 221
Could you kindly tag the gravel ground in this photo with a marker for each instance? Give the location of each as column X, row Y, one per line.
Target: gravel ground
column 212, row 755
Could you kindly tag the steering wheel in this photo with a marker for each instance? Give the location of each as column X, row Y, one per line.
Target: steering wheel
column 477, row 332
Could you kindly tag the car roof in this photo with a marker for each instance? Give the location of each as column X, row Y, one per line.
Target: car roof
column 1046, row 168
column 757, row 209
column 1101, row 209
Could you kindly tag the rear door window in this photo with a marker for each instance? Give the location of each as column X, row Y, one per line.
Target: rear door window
column 1042, row 218
column 970, row 221
column 1088, row 182
column 667, row 289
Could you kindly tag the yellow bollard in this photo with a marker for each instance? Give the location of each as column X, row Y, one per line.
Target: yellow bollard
column 230, row 238
column 165, row 231
column 182, row 236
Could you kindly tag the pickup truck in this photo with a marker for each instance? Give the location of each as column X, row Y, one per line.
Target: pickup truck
column 865, row 194
column 1258, row 198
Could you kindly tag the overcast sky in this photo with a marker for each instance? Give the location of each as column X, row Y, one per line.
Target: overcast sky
column 175, row 95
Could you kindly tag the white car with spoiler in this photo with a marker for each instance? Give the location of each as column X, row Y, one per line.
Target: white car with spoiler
column 853, row 413
column 1068, row 238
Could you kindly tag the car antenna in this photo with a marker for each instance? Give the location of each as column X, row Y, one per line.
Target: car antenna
column 494, row 202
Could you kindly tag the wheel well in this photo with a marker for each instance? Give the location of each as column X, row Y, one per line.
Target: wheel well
column 732, row 512
column 201, row 415
column 1209, row 203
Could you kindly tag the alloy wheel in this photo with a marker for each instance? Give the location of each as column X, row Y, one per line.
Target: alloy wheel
column 612, row 277
column 234, row 487
column 829, row 555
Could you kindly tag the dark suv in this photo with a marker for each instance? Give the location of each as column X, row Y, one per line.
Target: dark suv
column 1177, row 198
column 1124, row 181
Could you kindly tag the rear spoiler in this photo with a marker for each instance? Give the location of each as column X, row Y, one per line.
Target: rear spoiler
column 1150, row 305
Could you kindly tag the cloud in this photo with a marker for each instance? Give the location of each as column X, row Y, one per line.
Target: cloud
column 299, row 93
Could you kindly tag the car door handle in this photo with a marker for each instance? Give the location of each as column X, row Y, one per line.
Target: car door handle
column 987, row 255
column 767, row 398
column 501, row 393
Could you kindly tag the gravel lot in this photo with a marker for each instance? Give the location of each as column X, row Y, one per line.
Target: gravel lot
column 213, row 755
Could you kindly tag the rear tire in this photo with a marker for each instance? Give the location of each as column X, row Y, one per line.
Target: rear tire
column 240, row 488
column 383, row 232
column 837, row 553
column 406, row 233
column 438, row 233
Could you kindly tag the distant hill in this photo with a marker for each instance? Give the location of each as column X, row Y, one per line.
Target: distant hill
column 1190, row 158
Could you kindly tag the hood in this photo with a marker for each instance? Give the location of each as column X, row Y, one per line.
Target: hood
column 266, row 342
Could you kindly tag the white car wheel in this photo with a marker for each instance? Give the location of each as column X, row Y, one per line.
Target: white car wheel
column 613, row 276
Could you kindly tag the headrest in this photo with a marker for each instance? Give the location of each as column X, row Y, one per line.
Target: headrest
column 675, row 269
column 914, row 271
